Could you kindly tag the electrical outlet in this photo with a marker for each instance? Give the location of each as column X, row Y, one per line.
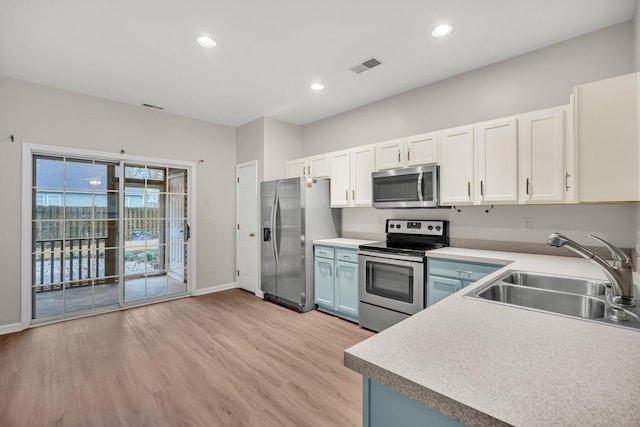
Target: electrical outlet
column 212, row 269
column 208, row 220
column 527, row 223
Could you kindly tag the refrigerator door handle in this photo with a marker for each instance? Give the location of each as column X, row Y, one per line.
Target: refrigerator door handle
column 274, row 225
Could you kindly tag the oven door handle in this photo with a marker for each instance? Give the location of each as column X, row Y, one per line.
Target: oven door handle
column 389, row 256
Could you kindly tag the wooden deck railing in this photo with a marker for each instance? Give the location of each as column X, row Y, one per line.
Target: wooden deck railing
column 87, row 253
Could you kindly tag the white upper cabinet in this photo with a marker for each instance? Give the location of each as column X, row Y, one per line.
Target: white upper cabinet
column 363, row 162
column 311, row 167
column 340, row 162
column 496, row 162
column 390, row 155
column 407, row 152
column 544, row 176
column 606, row 115
column 296, row 168
column 456, row 166
column 351, row 177
column 422, row 149
column 318, row 166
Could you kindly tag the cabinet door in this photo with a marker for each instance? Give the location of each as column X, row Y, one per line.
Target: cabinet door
column 347, row 288
column 607, row 139
column 318, row 166
column 296, row 168
column 496, row 157
column 323, row 281
column 390, row 155
column 422, row 149
column 362, row 166
column 456, row 166
column 340, row 179
column 441, row 287
column 542, row 164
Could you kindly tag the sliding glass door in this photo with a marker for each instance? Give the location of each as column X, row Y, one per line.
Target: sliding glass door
column 105, row 235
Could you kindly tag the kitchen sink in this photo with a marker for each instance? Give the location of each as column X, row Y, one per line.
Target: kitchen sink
column 556, row 302
column 576, row 297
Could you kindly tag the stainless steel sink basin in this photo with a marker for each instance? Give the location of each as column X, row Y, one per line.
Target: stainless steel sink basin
column 575, row 297
column 556, row 302
column 574, row 285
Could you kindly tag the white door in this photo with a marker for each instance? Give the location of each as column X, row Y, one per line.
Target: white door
column 422, row 149
column 247, row 225
column 362, row 165
column 542, row 156
column 390, row 155
column 456, row 171
column 340, row 179
column 496, row 155
column 177, row 226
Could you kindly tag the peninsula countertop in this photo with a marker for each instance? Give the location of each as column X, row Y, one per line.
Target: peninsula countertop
column 488, row 364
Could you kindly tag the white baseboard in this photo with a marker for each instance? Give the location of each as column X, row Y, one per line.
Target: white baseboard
column 10, row 328
column 212, row 289
column 260, row 294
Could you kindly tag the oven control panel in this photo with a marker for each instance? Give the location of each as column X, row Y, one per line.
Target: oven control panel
column 423, row 227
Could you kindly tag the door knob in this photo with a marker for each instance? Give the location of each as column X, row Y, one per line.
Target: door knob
column 252, row 234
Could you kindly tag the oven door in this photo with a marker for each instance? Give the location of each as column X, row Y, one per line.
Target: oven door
column 391, row 281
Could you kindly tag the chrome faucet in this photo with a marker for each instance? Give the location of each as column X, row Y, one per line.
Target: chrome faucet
column 619, row 272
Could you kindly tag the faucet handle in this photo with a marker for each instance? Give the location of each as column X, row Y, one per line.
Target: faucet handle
column 616, row 253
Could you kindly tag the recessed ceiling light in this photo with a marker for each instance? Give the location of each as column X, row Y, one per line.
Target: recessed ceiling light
column 441, row 30
column 206, row 41
column 317, row 86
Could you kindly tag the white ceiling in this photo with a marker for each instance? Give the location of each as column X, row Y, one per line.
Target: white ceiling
column 270, row 51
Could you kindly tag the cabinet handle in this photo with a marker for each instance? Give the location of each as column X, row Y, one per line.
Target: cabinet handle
column 309, row 170
column 566, row 181
column 469, row 188
column 398, row 156
column 330, row 272
column 408, row 154
column 337, row 275
column 346, row 195
column 527, row 189
column 304, row 170
column 353, row 195
column 481, row 188
column 469, row 273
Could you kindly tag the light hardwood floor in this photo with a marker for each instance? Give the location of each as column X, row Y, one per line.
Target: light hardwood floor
column 224, row 359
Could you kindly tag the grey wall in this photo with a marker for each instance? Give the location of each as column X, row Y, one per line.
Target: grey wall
column 250, row 144
column 282, row 141
column 539, row 79
column 39, row 114
column 636, row 37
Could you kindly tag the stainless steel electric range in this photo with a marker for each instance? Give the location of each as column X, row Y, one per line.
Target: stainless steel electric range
column 392, row 274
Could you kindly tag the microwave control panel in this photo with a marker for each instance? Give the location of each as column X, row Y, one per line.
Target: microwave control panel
column 427, row 228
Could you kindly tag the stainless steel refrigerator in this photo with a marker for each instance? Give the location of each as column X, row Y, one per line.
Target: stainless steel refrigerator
column 294, row 212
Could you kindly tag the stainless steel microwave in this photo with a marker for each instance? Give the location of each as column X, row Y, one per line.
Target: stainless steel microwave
column 407, row 188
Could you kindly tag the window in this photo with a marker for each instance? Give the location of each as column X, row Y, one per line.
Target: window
column 54, row 200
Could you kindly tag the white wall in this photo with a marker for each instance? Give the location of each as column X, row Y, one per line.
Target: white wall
column 43, row 115
column 540, row 79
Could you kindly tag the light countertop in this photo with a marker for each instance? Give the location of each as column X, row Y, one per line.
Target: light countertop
column 488, row 364
column 342, row 242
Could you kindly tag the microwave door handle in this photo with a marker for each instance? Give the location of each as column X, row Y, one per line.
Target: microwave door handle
column 420, row 197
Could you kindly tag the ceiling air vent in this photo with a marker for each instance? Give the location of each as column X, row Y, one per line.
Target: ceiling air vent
column 365, row 65
column 153, row 106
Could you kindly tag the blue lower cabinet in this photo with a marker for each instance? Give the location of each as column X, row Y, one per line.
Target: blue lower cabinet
column 323, row 279
column 336, row 281
column 383, row 407
column 446, row 277
column 441, row 287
